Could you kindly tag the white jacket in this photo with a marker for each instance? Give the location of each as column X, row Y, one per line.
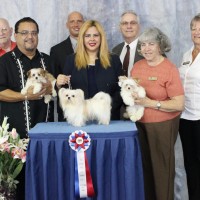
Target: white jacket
column 190, row 77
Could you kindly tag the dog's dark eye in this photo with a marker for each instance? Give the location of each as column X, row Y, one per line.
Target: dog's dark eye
column 38, row 74
column 33, row 75
column 73, row 95
column 67, row 95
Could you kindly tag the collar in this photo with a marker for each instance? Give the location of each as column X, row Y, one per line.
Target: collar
column 19, row 54
column 2, row 51
column 74, row 42
column 133, row 44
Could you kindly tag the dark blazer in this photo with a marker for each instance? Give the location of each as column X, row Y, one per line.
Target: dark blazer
column 106, row 80
column 118, row 49
column 58, row 54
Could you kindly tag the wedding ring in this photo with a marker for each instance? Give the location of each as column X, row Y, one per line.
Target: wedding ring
column 41, row 96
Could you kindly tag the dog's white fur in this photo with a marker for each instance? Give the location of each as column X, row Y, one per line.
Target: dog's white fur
column 36, row 77
column 78, row 111
column 128, row 87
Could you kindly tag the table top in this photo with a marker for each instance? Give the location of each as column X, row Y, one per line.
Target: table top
column 52, row 129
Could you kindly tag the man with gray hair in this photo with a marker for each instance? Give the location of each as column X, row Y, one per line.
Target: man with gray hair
column 129, row 27
column 6, row 44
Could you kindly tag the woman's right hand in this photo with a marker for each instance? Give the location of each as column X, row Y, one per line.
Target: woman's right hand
column 62, row 80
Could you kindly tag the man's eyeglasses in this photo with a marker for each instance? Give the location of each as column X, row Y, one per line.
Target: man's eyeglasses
column 4, row 30
column 26, row 33
column 132, row 23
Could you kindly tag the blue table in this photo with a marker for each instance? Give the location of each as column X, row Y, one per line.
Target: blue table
column 114, row 158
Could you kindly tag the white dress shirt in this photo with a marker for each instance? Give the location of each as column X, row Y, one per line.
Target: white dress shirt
column 190, row 77
column 74, row 43
column 133, row 46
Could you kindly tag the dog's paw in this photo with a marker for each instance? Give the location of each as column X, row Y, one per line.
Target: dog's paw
column 23, row 91
column 133, row 118
column 125, row 115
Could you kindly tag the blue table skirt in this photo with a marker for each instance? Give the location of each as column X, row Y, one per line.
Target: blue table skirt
column 114, row 158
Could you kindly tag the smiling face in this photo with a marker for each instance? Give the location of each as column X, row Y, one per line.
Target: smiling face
column 129, row 27
column 195, row 33
column 27, row 37
column 150, row 51
column 74, row 23
column 5, row 32
column 92, row 40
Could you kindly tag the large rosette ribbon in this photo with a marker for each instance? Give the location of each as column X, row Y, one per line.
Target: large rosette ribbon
column 79, row 141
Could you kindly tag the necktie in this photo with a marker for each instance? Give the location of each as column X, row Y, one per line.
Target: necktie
column 126, row 61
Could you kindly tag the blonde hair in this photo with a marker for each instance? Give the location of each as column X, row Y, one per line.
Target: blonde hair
column 81, row 57
column 196, row 18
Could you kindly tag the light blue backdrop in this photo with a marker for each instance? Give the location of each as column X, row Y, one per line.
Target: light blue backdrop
column 171, row 16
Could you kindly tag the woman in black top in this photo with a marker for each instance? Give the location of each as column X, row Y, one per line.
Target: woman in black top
column 92, row 68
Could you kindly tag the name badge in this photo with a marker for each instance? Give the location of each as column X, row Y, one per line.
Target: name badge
column 152, row 78
column 186, row 63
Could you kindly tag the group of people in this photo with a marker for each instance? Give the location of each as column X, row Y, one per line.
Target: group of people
column 84, row 61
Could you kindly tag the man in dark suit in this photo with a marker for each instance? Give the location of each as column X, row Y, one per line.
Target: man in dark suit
column 130, row 27
column 59, row 52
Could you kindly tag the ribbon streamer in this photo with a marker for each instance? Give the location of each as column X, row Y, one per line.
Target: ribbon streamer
column 79, row 141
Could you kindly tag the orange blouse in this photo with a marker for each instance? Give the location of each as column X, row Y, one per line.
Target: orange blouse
column 160, row 82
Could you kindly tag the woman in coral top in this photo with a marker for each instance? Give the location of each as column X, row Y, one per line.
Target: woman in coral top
column 158, row 128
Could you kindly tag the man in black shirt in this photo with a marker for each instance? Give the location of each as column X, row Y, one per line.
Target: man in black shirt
column 23, row 111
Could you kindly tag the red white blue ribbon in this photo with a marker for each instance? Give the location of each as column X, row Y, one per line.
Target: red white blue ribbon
column 79, row 141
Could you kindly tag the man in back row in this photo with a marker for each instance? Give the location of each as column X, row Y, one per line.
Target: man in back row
column 6, row 44
column 130, row 27
column 59, row 52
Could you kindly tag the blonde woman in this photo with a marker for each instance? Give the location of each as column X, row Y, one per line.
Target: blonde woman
column 93, row 68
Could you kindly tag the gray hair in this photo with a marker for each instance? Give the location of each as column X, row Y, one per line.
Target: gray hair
column 130, row 12
column 155, row 35
column 195, row 18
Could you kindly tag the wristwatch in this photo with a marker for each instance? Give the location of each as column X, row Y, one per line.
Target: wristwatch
column 158, row 105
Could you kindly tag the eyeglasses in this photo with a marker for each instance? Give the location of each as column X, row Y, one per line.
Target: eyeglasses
column 132, row 23
column 92, row 35
column 26, row 33
column 4, row 30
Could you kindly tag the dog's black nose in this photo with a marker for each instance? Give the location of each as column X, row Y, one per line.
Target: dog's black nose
column 68, row 97
column 36, row 77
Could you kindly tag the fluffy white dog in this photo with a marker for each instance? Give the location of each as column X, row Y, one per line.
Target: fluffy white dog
column 128, row 87
column 78, row 111
column 36, row 77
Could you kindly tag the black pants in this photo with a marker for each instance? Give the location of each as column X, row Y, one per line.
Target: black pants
column 190, row 138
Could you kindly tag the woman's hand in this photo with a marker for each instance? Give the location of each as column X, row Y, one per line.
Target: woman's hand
column 62, row 80
column 174, row 104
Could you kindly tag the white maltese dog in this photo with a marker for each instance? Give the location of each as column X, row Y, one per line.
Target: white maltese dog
column 78, row 111
column 128, row 87
column 36, row 77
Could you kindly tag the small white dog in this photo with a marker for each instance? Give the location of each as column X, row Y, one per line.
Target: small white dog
column 128, row 87
column 78, row 111
column 36, row 77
